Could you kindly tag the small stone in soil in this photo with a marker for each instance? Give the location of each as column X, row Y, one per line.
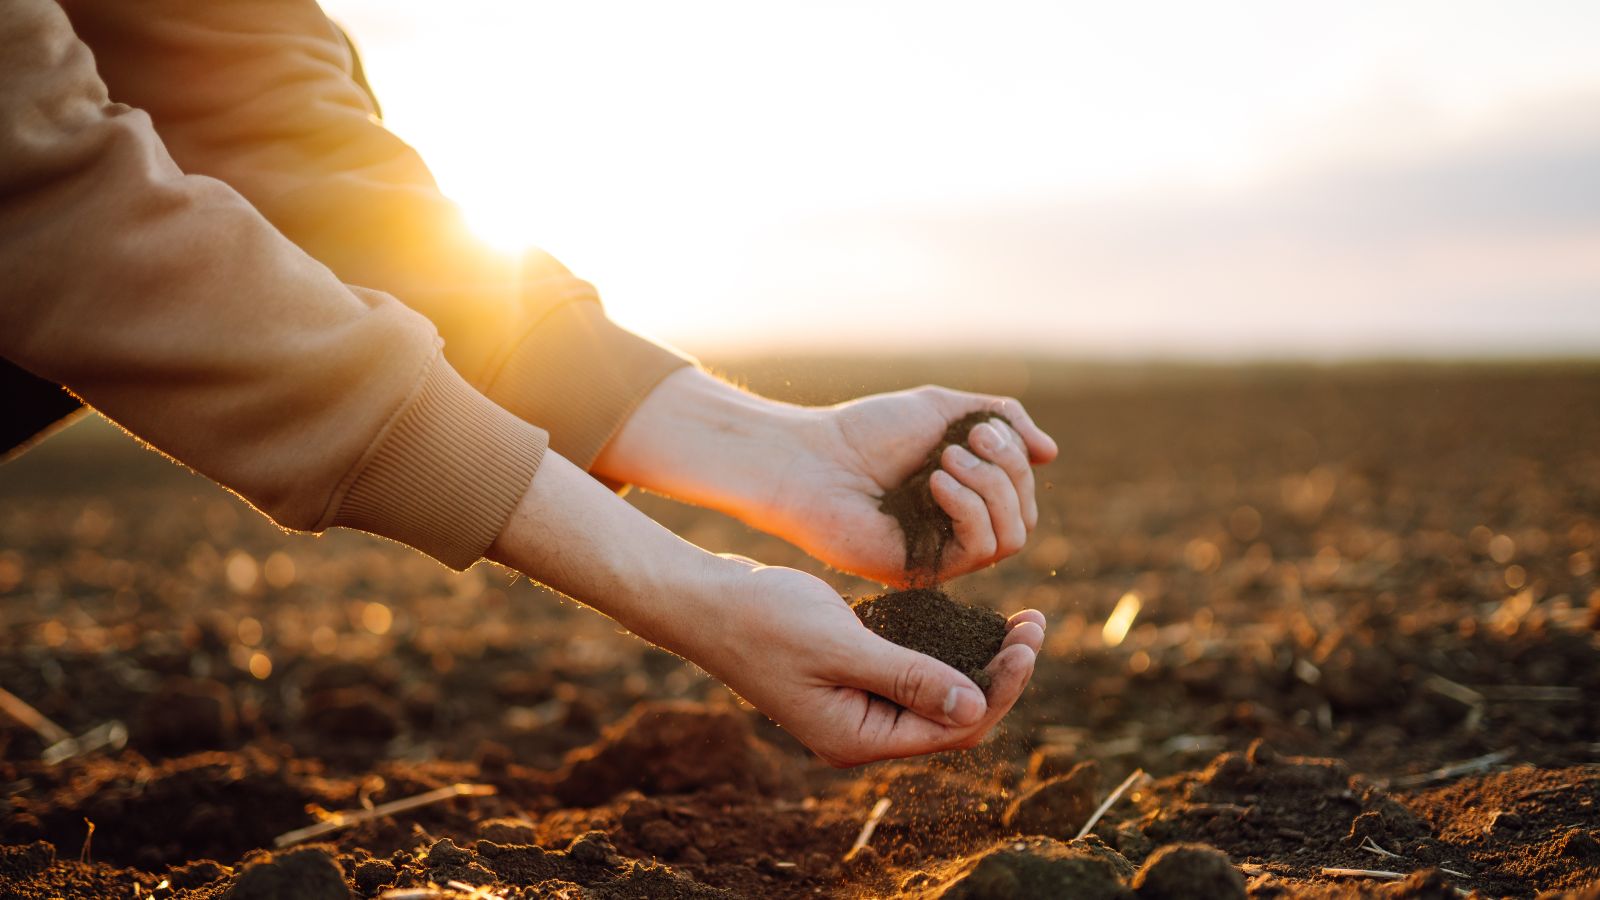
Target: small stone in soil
column 926, row 620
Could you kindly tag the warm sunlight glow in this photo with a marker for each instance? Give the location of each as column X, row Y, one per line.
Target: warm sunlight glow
column 753, row 174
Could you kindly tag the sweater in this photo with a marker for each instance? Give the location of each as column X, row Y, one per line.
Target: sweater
column 189, row 268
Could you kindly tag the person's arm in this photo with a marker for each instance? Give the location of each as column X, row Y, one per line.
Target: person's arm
column 261, row 94
column 815, row 475
column 169, row 305
column 782, row 639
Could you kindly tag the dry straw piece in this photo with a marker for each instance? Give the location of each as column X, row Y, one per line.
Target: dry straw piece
column 1137, row 776
column 347, row 818
column 1381, row 875
column 873, row 817
column 1445, row 773
column 60, row 744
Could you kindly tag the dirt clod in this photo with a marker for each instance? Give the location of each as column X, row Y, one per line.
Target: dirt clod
column 673, row 748
column 183, row 715
column 306, row 873
column 925, row 526
column 507, row 831
column 1189, row 872
column 1039, row 867
column 926, row 620
column 1057, row 807
column 358, row 713
column 27, row 860
column 374, row 874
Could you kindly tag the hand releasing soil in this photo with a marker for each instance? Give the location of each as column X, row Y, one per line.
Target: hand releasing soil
column 926, row 527
column 926, row 620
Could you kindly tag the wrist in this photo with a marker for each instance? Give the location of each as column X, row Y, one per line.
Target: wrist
column 703, row 441
column 573, row 535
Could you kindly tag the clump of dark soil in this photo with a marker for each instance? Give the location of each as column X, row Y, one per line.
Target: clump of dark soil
column 184, row 715
column 1039, row 867
column 305, row 873
column 1189, row 872
column 674, row 748
column 963, row 636
column 1057, row 807
column 925, row 527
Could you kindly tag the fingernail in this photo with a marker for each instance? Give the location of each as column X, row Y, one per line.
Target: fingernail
column 963, row 456
column 985, row 436
column 963, row 706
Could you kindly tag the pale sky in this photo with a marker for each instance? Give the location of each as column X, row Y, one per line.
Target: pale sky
column 1217, row 179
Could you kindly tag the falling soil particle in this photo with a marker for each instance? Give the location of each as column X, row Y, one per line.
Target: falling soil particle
column 1189, row 872
column 925, row 526
column 963, row 636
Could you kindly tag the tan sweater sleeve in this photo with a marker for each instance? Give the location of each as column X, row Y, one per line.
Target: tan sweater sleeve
column 260, row 94
column 171, row 306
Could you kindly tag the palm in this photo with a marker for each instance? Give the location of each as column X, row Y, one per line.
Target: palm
column 879, row 442
column 794, row 649
column 830, row 501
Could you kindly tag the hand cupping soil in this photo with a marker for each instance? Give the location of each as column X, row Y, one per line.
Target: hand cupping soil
column 926, row 527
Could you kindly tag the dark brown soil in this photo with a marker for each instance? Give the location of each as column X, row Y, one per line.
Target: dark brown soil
column 1189, row 872
column 964, row 636
column 925, row 526
column 1037, row 867
column 1349, row 578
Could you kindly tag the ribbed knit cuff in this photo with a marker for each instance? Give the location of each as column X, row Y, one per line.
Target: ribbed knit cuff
column 446, row 474
column 580, row 376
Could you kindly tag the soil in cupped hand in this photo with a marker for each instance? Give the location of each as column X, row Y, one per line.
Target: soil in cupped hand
column 926, row 620
column 926, row 527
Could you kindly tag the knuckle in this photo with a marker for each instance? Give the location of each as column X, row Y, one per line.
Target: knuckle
column 911, row 682
column 1011, row 543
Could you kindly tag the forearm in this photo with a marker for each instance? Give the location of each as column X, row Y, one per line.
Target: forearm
column 171, row 306
column 701, row 440
column 259, row 94
column 573, row 535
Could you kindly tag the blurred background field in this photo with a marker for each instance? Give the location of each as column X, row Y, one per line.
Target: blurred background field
column 1308, row 294
column 1391, row 566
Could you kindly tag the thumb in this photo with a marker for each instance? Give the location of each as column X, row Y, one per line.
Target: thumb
column 920, row 683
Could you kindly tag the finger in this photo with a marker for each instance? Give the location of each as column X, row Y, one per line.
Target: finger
column 889, row 734
column 1029, row 634
column 1008, row 675
column 969, row 517
column 1041, row 447
column 1002, row 446
column 1027, row 615
column 918, row 682
column 998, row 493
